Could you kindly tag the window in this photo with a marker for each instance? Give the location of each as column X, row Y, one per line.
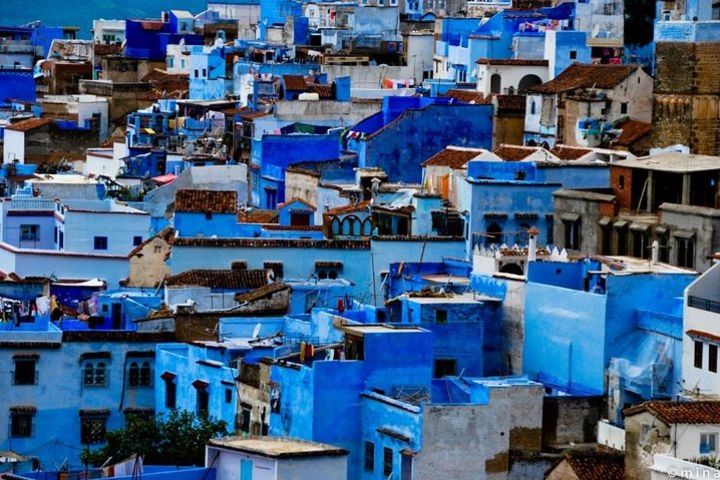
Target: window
column 387, row 461
column 572, row 234
column 170, row 394
column 203, row 400
column 708, row 443
column 196, row 73
column 444, row 368
column 25, row 373
column 228, row 395
column 369, row 457
column 245, row 420
column 137, row 240
column 204, row 73
column 573, row 54
column 641, row 249
column 495, row 83
column 21, row 424
column 441, row 316
column 139, row 375
column 698, row 354
column 93, row 429
column 62, row 239
column 532, row 107
column 94, row 374
column 100, row 243
column 621, row 182
column 685, row 252
column 55, row 235
column 712, row 358
column 30, row 233
column 624, row 108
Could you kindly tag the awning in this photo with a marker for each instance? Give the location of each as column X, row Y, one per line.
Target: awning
column 200, row 385
column 149, row 131
column 570, row 217
column 688, row 234
column 661, row 229
column 639, row 227
column 164, row 179
column 604, row 221
column 168, row 376
column 620, row 224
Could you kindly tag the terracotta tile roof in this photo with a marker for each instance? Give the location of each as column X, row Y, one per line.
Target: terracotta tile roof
column 325, row 92
column 632, row 131
column 514, row 153
column 355, row 207
column 295, row 82
column 704, row 335
column 596, row 466
column 451, row 157
column 563, row 152
column 579, row 75
column 206, row 201
column 29, row 124
column 102, row 49
column 297, row 199
column 256, row 215
column 705, row 412
column 466, row 95
column 512, row 61
column 510, row 103
column 253, row 115
column 261, row 292
column 225, row 279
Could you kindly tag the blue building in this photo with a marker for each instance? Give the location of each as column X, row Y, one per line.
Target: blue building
column 289, row 144
column 410, row 130
column 610, row 328
column 16, row 83
column 375, row 357
column 148, row 39
column 507, row 198
column 49, row 416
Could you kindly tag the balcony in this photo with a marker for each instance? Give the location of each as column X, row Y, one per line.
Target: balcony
column 35, row 204
column 704, row 304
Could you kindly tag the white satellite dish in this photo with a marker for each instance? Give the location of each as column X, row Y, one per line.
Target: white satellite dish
column 256, row 331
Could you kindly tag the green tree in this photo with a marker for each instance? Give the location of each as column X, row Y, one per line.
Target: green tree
column 178, row 439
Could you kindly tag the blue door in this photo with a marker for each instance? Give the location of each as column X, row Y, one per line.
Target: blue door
column 246, row 467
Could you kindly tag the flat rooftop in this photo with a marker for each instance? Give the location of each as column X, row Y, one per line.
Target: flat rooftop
column 277, row 447
column 673, row 162
column 361, row 329
column 632, row 265
column 459, row 299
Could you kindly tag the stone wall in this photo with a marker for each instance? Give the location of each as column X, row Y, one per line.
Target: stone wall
column 687, row 96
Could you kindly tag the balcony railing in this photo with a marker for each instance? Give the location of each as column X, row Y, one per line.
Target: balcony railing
column 37, row 204
column 704, row 304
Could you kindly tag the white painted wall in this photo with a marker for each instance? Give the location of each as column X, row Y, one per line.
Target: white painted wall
column 510, row 76
column 14, row 148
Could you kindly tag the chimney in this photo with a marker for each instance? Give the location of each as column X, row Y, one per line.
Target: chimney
column 532, row 244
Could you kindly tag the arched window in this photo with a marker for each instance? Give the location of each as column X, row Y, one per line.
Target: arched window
column 346, row 226
column 528, row 81
column 357, row 226
column 335, row 226
column 494, row 234
column 145, row 375
column 495, row 83
column 134, row 375
column 367, row 227
column 100, row 374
